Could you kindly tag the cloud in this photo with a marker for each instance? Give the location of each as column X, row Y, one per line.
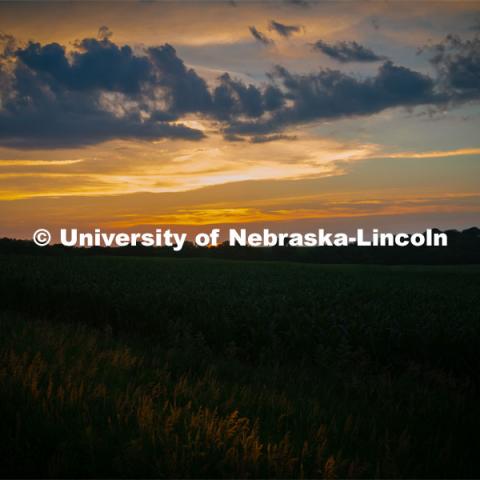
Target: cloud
column 271, row 138
column 284, row 30
column 233, row 138
column 331, row 94
column 104, row 33
column 102, row 91
column 7, row 45
column 457, row 63
column 260, row 37
column 345, row 52
column 96, row 64
column 185, row 90
column 55, row 128
column 300, row 3
column 273, row 98
column 99, row 91
column 434, row 154
column 232, row 98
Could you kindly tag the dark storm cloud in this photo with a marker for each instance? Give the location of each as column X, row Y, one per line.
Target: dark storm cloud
column 457, row 62
column 52, row 99
column 56, row 129
column 234, row 98
column 101, row 91
column 331, row 94
column 260, row 37
column 98, row 64
column 284, row 30
column 38, row 117
column 187, row 92
column 273, row 98
column 347, row 52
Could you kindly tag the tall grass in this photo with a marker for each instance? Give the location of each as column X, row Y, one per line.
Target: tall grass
column 125, row 367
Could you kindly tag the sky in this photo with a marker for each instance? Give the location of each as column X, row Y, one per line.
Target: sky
column 291, row 114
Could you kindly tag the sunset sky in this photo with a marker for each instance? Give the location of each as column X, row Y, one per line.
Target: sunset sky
column 290, row 114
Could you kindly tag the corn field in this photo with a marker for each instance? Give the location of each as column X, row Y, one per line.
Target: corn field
column 212, row 369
